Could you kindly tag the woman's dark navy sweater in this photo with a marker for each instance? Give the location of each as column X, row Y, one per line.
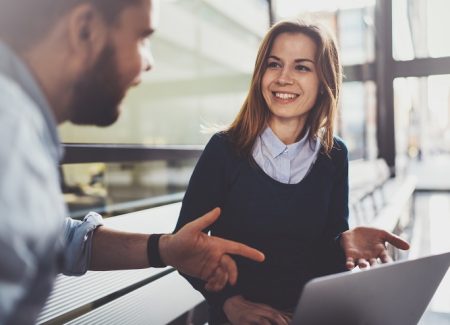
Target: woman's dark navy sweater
column 294, row 225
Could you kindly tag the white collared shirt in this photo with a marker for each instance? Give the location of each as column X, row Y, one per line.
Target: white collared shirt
column 287, row 164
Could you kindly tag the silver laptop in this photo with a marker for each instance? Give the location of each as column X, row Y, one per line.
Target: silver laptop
column 396, row 293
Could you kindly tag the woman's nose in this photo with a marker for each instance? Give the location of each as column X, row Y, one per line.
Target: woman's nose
column 284, row 77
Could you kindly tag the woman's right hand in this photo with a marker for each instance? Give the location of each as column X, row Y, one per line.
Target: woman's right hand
column 240, row 311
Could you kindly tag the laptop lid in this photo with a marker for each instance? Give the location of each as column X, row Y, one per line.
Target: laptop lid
column 395, row 293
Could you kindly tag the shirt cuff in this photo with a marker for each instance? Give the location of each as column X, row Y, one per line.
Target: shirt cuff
column 78, row 243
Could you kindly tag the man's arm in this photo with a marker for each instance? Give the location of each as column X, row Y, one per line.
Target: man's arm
column 189, row 250
column 118, row 250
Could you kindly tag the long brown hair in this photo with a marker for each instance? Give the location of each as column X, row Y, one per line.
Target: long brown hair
column 254, row 114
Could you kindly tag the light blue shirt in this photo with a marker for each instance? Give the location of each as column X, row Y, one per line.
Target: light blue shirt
column 287, row 164
column 37, row 241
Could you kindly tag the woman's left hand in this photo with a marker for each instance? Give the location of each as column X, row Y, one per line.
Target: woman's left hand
column 363, row 246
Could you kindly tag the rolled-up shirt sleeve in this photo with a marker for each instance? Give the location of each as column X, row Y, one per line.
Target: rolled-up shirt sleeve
column 78, row 243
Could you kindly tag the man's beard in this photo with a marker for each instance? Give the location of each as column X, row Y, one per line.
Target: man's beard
column 98, row 93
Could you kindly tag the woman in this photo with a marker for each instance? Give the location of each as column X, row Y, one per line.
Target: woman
column 281, row 179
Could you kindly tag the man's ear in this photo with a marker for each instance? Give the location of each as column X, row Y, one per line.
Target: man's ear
column 87, row 33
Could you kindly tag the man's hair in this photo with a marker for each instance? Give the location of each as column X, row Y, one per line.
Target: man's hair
column 25, row 22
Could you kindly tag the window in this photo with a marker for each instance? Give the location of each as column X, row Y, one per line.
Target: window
column 418, row 28
column 201, row 75
column 357, row 119
column 422, row 115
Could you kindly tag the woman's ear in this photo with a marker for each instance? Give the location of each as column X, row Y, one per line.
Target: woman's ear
column 321, row 89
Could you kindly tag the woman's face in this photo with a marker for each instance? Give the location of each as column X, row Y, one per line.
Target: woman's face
column 290, row 83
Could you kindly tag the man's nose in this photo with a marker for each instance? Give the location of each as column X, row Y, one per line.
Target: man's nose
column 148, row 60
column 147, row 63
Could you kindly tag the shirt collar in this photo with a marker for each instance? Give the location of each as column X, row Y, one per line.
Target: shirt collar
column 276, row 147
column 14, row 68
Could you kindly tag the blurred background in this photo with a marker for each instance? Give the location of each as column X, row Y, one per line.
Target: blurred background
column 395, row 107
column 205, row 52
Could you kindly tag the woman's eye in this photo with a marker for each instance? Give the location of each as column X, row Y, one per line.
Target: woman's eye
column 302, row 68
column 273, row 65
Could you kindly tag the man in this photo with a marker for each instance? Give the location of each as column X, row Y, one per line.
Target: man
column 73, row 60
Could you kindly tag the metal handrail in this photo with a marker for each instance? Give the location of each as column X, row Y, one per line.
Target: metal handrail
column 107, row 153
column 132, row 205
